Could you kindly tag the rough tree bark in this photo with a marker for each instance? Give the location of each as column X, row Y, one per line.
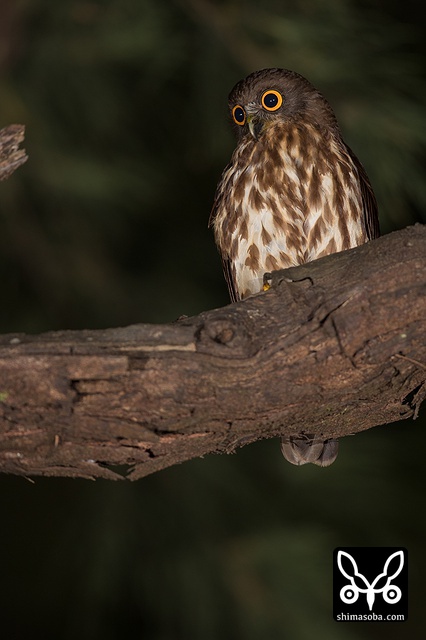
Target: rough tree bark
column 335, row 347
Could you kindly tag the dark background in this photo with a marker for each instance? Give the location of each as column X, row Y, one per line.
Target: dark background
column 125, row 107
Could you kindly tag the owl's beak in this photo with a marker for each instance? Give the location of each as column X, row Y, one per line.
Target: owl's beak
column 254, row 121
column 255, row 125
column 251, row 121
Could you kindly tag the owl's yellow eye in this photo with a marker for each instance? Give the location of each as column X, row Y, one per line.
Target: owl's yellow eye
column 271, row 100
column 239, row 115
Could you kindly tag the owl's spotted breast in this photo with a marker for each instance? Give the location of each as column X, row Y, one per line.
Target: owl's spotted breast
column 288, row 198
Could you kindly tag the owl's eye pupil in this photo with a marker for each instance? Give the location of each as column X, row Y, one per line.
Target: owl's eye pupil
column 239, row 115
column 272, row 100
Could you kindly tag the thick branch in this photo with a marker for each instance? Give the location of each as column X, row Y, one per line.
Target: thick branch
column 335, row 347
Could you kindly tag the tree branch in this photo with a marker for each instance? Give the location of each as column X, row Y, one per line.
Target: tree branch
column 335, row 347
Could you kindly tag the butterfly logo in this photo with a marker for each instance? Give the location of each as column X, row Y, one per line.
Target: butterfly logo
column 381, row 584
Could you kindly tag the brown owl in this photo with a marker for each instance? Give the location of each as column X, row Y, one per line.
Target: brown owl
column 293, row 192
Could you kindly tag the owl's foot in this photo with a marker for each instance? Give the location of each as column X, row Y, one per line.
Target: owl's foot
column 306, row 448
column 267, row 279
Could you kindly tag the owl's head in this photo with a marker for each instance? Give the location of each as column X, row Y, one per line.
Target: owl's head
column 277, row 95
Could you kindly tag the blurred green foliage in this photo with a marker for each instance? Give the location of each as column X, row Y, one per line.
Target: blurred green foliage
column 125, row 107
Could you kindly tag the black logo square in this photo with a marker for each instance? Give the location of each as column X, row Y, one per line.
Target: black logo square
column 370, row 583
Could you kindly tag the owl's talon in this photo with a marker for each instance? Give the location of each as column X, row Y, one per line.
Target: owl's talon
column 267, row 281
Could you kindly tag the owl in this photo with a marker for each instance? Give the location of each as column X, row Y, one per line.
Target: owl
column 292, row 192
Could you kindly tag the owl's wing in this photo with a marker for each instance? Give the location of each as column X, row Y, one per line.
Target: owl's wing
column 230, row 280
column 371, row 214
column 226, row 263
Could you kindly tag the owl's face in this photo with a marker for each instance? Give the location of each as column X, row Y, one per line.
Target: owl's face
column 271, row 96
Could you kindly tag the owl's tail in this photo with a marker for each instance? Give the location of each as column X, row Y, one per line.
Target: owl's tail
column 308, row 448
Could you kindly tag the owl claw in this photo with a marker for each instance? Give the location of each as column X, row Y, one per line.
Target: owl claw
column 267, row 280
column 304, row 449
